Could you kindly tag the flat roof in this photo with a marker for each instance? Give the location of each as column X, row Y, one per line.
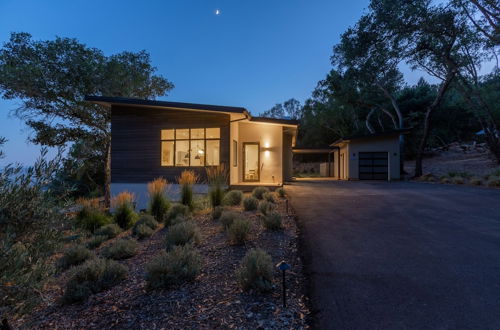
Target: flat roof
column 275, row 120
column 395, row 132
column 313, row 150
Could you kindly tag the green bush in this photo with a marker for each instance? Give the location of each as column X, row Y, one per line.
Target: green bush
column 250, row 203
column 265, row 207
column 125, row 216
column 445, row 179
column 145, row 220
column 181, row 264
column 159, row 206
column 180, row 218
column 96, row 241
column 269, row 196
column 493, row 181
column 216, row 195
column 256, row 271
column 175, row 211
column 459, row 174
column 281, row 192
column 143, row 231
column 457, row 180
column 91, row 219
column 186, row 232
column 93, row 276
column 259, row 192
column 75, row 255
column 227, row 218
column 272, row 221
column 477, row 181
column 238, row 231
column 217, row 212
column 233, row 198
column 110, row 231
column 121, row 249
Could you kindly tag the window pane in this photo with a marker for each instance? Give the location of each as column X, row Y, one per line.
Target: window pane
column 197, row 152
column 167, row 134
column 167, row 153
column 212, row 152
column 197, row 133
column 182, row 133
column 181, row 153
column 213, row 133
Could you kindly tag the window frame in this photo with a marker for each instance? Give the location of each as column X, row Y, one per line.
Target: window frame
column 189, row 139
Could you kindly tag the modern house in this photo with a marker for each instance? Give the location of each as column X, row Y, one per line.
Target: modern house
column 151, row 139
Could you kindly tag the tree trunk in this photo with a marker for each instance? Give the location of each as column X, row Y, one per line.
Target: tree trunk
column 423, row 141
column 107, row 176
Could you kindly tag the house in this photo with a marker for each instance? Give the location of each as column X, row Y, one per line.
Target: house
column 151, row 139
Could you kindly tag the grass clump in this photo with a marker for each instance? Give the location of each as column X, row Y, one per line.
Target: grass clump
column 256, row 271
column 93, row 276
column 91, row 219
column 459, row 174
column 143, row 231
column 183, row 233
column 110, row 231
column 217, row 178
column 216, row 196
column 477, row 181
column 124, row 214
column 265, row 207
column 145, row 227
column 493, row 181
column 75, row 255
column 158, row 201
column 121, row 249
column 250, row 203
column 281, row 192
column 269, row 196
column 457, row 180
column 96, row 241
column 217, row 212
column 238, row 231
column 259, row 192
column 272, row 221
column 227, row 218
column 176, row 211
column 187, row 179
column 181, row 264
column 445, row 179
column 233, row 198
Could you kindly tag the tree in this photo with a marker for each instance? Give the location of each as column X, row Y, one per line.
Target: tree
column 291, row 109
column 484, row 15
column 51, row 79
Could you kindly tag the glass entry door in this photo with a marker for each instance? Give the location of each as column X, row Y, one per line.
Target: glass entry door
column 251, row 161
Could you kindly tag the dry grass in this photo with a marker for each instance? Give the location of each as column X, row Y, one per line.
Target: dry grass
column 217, row 175
column 188, row 177
column 92, row 203
column 157, row 187
column 123, row 198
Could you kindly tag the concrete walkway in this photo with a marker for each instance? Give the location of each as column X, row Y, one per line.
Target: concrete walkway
column 401, row 255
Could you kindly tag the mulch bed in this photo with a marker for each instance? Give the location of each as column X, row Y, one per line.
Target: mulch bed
column 214, row 300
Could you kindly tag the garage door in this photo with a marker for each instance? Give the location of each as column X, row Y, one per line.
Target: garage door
column 373, row 166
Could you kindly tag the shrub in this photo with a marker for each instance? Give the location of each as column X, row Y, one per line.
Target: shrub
column 175, row 211
column 281, row 192
column 143, row 231
column 96, row 241
column 217, row 178
column 265, row 207
column 217, row 212
column 227, row 218
column 445, row 179
column 259, row 192
column 459, row 174
column 110, row 231
column 272, row 221
column 216, row 195
column 121, row 249
column 186, row 232
column 187, row 179
column 476, row 181
column 493, row 181
column 123, row 205
column 256, row 271
column 93, row 276
column 91, row 219
column 75, row 255
column 158, row 202
column 180, row 218
column 147, row 220
column 233, row 198
column 250, row 203
column 238, row 231
column 269, row 196
column 457, row 180
column 181, row 264
column 496, row 172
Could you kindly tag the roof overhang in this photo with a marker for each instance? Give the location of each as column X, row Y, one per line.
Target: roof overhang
column 380, row 135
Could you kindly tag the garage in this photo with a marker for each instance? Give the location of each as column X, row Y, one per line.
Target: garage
column 373, row 166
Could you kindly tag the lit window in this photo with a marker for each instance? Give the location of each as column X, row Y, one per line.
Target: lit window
column 197, row 152
column 182, row 153
column 213, row 152
column 167, row 153
column 213, row 133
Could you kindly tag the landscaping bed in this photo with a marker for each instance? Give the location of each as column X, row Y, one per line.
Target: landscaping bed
column 215, row 299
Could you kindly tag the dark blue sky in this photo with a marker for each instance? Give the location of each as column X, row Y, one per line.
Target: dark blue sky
column 254, row 54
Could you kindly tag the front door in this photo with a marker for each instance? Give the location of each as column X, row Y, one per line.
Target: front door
column 251, row 161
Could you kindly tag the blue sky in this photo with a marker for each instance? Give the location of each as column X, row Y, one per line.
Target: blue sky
column 254, row 54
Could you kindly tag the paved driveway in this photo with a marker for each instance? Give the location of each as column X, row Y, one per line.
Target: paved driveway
column 401, row 255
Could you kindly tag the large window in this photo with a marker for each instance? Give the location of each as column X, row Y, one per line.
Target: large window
column 190, row 147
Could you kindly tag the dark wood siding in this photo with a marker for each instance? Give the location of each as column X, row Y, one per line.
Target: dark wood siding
column 136, row 143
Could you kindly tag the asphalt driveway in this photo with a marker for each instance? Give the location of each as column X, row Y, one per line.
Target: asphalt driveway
column 401, row 255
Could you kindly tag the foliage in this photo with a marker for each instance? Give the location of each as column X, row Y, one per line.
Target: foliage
column 445, row 179
column 217, row 212
column 238, row 230
column 256, row 271
column 272, row 221
column 291, row 109
column 158, row 202
column 459, row 174
column 250, row 203
column 457, row 180
column 93, row 276
column 217, row 178
column 181, row 264
column 73, row 256
column 265, row 207
column 182, row 233
column 121, row 249
column 95, row 241
column 143, row 231
column 233, row 198
column 187, row 179
column 175, row 211
column 124, row 214
column 91, row 219
column 180, row 218
column 147, row 220
column 109, row 231
column 258, row 192
column 493, row 181
column 477, row 181
column 281, row 192
column 227, row 218
column 269, row 196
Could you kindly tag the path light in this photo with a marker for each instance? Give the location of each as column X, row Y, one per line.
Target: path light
column 283, row 266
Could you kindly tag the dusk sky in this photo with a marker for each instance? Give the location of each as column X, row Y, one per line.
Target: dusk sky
column 253, row 54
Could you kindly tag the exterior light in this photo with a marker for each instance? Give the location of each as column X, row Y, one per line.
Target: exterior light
column 266, row 153
column 266, row 145
column 283, row 266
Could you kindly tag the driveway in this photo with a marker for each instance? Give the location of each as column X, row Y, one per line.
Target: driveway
column 400, row 255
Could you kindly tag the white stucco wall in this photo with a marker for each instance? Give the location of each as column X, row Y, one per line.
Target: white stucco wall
column 234, row 136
